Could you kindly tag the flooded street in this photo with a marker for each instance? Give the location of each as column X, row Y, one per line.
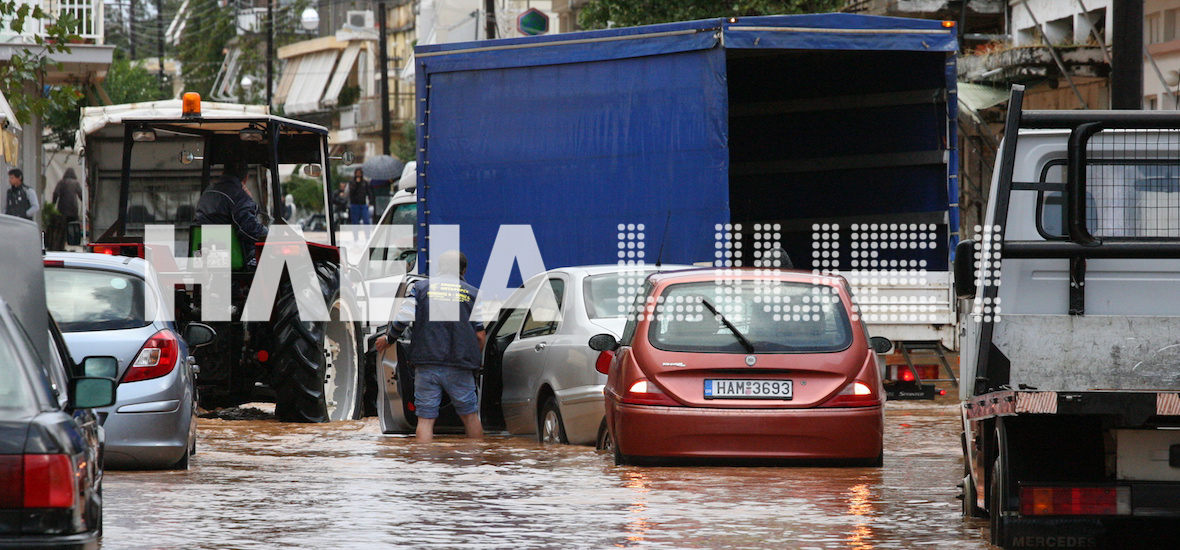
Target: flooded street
column 262, row 484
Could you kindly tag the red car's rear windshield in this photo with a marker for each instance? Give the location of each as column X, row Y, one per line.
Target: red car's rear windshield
column 773, row 316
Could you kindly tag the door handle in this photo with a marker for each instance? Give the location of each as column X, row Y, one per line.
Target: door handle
column 539, row 347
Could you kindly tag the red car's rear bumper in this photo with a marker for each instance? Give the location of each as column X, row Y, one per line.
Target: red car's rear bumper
column 693, row 432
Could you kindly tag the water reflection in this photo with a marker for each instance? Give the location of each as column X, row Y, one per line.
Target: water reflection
column 261, row 484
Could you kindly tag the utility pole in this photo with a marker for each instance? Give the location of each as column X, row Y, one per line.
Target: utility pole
column 160, row 39
column 270, row 51
column 383, row 75
column 131, row 26
column 489, row 7
column 1126, row 64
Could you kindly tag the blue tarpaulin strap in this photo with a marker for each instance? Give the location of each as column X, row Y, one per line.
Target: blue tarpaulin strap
column 839, row 31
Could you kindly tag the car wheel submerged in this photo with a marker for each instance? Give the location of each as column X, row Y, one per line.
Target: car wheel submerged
column 550, row 428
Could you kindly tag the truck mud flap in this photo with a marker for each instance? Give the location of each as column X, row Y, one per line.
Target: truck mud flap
column 1056, row 533
column 902, row 391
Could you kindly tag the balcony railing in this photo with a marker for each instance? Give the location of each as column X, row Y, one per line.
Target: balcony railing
column 88, row 13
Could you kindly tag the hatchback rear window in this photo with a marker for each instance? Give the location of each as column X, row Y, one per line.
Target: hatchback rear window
column 84, row 300
column 773, row 316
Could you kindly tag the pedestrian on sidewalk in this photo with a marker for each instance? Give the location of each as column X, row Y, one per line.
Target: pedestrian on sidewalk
column 445, row 354
column 359, row 195
column 21, row 200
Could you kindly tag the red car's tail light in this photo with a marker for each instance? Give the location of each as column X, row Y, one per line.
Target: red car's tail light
column 156, row 358
column 1075, row 501
column 643, row 392
column 49, row 481
column 855, row 394
column 604, row 360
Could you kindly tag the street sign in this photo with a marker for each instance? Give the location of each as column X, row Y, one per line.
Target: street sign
column 532, row 22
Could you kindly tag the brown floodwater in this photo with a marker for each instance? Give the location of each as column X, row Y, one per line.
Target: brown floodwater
column 263, row 484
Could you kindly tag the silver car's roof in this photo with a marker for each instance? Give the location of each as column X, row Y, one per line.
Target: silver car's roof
column 123, row 264
column 22, row 278
column 600, row 269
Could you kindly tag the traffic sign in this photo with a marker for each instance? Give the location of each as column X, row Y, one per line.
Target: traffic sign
column 532, row 22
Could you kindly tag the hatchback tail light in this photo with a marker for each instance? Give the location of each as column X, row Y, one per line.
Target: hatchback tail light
column 643, row 392
column 156, row 358
column 1075, row 501
column 37, row 481
column 855, row 394
column 604, row 360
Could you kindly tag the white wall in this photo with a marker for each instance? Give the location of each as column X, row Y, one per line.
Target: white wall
column 1164, row 46
column 1061, row 19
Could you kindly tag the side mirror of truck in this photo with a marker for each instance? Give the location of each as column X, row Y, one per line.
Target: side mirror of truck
column 312, row 170
column 965, row 269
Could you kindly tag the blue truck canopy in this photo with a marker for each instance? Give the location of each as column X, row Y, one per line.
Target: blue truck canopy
column 686, row 127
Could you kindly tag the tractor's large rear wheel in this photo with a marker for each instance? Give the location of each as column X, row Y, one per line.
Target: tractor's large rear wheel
column 316, row 374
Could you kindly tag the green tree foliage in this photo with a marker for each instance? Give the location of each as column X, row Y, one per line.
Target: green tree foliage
column 600, row 14
column 405, row 146
column 29, row 65
column 209, row 27
column 307, row 192
column 131, row 82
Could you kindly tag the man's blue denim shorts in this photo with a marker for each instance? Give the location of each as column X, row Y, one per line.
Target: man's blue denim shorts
column 431, row 381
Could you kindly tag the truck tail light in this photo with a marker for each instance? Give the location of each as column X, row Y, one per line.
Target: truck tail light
column 855, row 394
column 1075, row 501
column 156, row 358
column 49, row 481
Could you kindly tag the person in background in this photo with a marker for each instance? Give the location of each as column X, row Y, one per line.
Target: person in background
column 340, row 206
column 445, row 354
column 21, row 200
column 67, row 196
column 289, row 208
column 360, row 196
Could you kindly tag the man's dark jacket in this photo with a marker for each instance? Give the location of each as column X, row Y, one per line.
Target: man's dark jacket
column 227, row 203
column 440, row 343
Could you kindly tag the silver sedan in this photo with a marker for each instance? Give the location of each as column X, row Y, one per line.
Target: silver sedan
column 539, row 373
column 109, row 306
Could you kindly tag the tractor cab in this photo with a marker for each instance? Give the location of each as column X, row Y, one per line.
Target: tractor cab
column 149, row 163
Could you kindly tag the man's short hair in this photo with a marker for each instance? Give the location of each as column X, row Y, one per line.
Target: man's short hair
column 447, row 259
column 16, row 172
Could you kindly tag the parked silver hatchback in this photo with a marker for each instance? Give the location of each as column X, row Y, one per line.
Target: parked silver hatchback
column 539, row 372
column 109, row 306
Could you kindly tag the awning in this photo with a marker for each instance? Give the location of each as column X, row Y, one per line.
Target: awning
column 977, row 97
column 343, row 69
column 310, row 80
column 288, row 78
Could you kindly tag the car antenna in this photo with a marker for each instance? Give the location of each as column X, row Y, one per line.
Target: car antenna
column 664, row 237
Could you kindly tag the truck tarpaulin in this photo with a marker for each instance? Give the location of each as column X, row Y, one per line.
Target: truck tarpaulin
column 575, row 134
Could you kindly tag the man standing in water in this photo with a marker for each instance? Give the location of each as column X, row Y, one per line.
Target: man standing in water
column 445, row 353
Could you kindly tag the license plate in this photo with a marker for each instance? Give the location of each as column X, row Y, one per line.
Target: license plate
column 748, row 389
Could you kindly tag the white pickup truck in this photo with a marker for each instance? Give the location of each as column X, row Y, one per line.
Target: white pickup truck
column 1071, row 354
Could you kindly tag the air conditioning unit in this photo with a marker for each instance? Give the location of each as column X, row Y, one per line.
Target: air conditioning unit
column 359, row 19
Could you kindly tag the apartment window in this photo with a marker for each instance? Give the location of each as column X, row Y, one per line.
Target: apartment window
column 1171, row 22
column 1154, row 33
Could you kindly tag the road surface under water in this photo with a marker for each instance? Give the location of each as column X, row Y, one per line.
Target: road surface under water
column 263, row 484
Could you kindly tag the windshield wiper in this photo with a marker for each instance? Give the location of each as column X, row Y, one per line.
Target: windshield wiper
column 737, row 333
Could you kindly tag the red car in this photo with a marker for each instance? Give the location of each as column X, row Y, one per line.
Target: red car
column 744, row 364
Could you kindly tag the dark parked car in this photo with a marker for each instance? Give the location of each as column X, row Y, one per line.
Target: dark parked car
column 50, row 439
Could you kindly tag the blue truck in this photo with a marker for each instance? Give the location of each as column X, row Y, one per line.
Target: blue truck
column 831, row 136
